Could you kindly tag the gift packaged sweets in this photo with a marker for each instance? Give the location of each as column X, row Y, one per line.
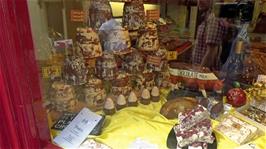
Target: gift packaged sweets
column 106, row 67
column 94, row 94
column 115, row 38
column 121, row 84
column 63, row 97
column 134, row 15
column 148, row 40
column 100, row 11
column 89, row 43
column 236, row 129
column 75, row 71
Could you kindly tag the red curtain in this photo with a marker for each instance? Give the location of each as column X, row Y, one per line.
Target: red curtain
column 23, row 119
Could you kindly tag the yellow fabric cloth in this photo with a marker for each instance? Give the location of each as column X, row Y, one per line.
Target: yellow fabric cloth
column 145, row 122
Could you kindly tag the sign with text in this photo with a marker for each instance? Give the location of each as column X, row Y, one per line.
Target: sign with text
column 61, row 45
column 51, row 71
column 171, row 55
column 153, row 15
column 154, row 60
column 77, row 15
column 78, row 130
column 192, row 74
column 261, row 78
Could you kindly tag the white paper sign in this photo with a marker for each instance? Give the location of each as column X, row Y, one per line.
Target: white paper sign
column 78, row 130
column 261, row 78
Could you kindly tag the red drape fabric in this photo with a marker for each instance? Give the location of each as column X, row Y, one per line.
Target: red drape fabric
column 23, row 120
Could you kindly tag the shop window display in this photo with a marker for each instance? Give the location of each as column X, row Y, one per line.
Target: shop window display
column 124, row 69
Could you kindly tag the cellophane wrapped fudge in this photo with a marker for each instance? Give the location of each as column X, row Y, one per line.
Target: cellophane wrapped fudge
column 237, row 130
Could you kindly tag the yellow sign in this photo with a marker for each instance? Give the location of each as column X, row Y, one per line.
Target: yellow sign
column 51, row 71
column 171, row 55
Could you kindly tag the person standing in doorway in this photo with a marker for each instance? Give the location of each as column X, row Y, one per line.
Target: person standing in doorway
column 209, row 37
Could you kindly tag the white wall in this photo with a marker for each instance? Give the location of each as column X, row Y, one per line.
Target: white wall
column 39, row 29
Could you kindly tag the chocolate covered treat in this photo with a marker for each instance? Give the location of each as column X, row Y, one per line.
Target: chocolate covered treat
column 189, row 118
column 148, row 40
column 121, row 102
column 157, row 61
column 155, row 94
column 194, row 127
column 134, row 15
column 100, row 11
column 200, row 132
column 145, row 97
column 75, row 71
column 106, row 67
column 89, row 43
column 109, row 106
column 63, row 97
column 132, row 99
column 115, row 38
column 149, row 82
column 121, row 84
column 94, row 94
column 133, row 62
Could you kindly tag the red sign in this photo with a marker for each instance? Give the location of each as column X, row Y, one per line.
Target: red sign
column 77, row 15
column 154, row 60
column 153, row 15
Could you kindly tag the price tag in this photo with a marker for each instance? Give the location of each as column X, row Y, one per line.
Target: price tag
column 154, row 60
column 153, row 15
column 61, row 45
column 51, row 71
column 77, row 15
column 171, row 55
column 78, row 130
